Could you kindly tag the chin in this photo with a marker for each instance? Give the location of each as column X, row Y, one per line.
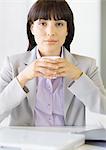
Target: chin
column 52, row 47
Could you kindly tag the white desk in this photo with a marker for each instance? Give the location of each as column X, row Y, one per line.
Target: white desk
column 61, row 129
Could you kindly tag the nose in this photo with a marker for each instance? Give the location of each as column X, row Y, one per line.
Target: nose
column 51, row 31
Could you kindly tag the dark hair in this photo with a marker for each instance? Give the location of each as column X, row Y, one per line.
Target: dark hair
column 47, row 9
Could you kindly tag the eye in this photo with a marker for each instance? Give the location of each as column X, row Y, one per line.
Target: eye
column 42, row 23
column 59, row 24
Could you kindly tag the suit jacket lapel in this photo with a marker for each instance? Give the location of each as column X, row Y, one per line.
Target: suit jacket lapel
column 68, row 96
column 31, row 85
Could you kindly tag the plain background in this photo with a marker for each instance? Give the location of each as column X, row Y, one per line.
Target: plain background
column 89, row 40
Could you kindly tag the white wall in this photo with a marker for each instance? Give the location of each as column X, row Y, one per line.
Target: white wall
column 12, row 27
column 87, row 27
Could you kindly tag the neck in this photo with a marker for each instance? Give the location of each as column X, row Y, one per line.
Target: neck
column 54, row 53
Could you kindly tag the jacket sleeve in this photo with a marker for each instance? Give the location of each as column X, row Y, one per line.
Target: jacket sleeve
column 90, row 90
column 11, row 93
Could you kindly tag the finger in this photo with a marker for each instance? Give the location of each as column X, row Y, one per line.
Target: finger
column 49, row 65
column 49, row 60
column 61, row 65
column 38, row 74
column 46, row 64
column 45, row 71
column 60, row 70
column 60, row 59
column 61, row 74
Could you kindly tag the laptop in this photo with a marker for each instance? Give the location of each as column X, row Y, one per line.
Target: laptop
column 23, row 139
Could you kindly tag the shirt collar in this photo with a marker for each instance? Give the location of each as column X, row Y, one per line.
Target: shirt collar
column 39, row 55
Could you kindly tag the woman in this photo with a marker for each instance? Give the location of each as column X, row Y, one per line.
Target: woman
column 40, row 91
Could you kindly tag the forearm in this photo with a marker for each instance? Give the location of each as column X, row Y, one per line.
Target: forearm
column 11, row 96
column 89, row 94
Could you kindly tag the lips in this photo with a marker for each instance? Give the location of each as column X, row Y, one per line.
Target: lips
column 51, row 41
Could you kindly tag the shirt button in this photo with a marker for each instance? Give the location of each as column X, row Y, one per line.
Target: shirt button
column 50, row 89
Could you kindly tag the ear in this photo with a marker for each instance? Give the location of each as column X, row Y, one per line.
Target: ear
column 32, row 29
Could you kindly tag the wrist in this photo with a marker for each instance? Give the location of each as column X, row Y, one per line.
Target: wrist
column 22, row 80
column 79, row 74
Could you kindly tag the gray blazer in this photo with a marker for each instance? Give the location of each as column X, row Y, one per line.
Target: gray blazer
column 88, row 91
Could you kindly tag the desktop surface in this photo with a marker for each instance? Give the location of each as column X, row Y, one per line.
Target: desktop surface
column 39, row 140
column 87, row 146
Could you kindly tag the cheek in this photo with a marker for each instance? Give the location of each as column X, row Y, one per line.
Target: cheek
column 38, row 36
column 62, row 37
column 38, row 32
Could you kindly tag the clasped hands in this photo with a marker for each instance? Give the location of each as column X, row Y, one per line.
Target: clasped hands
column 48, row 68
column 59, row 67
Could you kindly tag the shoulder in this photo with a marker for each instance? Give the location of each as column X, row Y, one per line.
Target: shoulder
column 26, row 57
column 19, row 57
column 79, row 59
column 82, row 59
column 85, row 63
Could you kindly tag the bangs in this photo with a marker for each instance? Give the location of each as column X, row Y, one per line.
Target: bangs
column 50, row 10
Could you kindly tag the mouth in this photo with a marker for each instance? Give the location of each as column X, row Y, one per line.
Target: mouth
column 51, row 41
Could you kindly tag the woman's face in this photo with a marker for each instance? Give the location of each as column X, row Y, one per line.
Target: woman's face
column 49, row 35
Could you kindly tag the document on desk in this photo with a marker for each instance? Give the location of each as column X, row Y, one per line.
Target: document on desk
column 39, row 140
column 95, row 134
